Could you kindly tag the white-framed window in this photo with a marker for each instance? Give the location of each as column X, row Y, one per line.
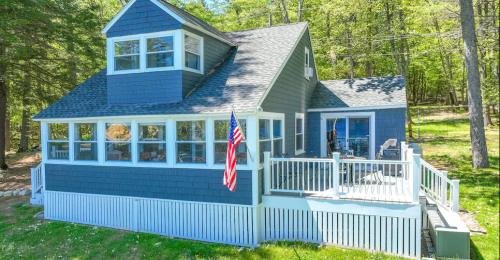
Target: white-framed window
column 191, row 146
column 270, row 137
column 192, row 52
column 85, row 143
column 307, row 66
column 221, row 138
column 299, row 133
column 58, row 141
column 151, row 142
column 160, row 52
column 127, row 55
column 118, row 142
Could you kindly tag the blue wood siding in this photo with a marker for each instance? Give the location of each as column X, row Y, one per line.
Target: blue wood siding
column 389, row 124
column 291, row 93
column 149, row 87
column 203, row 185
column 143, row 17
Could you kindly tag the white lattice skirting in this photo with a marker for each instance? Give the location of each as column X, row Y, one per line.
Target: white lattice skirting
column 228, row 224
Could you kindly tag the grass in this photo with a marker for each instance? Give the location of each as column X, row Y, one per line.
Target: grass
column 23, row 237
column 445, row 143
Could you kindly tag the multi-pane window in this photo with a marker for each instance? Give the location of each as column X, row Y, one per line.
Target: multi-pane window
column 221, row 138
column 58, row 141
column 264, row 137
column 192, row 52
column 160, row 52
column 118, row 140
column 86, row 141
column 127, row 55
column 191, row 144
column 152, row 146
column 277, row 138
column 299, row 132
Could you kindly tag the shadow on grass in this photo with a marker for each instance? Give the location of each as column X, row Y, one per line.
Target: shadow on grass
column 475, row 253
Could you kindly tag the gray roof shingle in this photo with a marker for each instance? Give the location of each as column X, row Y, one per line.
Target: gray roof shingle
column 363, row 92
column 241, row 81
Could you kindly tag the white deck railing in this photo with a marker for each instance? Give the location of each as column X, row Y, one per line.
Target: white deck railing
column 386, row 180
column 36, row 179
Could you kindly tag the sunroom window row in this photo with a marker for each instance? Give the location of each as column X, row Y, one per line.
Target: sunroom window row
column 151, row 142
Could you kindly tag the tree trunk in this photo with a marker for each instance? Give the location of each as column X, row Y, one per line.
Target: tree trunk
column 328, row 26
column 7, row 118
column 450, row 98
column 23, row 143
column 393, row 45
column 351, row 60
column 3, row 107
column 487, row 116
column 478, row 138
column 299, row 14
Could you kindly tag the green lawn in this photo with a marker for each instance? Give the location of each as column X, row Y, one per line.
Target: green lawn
column 446, row 143
column 23, row 237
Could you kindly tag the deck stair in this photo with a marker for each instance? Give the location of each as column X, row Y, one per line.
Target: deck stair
column 449, row 234
column 37, row 185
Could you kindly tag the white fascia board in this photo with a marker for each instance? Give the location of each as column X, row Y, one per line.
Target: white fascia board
column 314, row 59
column 282, row 66
column 354, row 108
column 129, row 4
column 140, row 117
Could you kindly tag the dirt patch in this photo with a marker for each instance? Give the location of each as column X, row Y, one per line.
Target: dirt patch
column 7, row 203
column 471, row 222
column 18, row 176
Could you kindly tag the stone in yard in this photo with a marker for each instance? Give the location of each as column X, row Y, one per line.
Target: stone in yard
column 25, row 192
column 7, row 193
column 15, row 192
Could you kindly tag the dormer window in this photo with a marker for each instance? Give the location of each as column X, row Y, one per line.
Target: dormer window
column 193, row 51
column 160, row 52
column 170, row 50
column 127, row 55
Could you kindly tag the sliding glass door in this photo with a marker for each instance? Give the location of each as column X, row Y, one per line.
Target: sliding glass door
column 348, row 135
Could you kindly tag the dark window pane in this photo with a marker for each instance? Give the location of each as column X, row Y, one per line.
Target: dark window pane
column 191, row 130
column 118, row 131
column 151, row 132
column 278, row 147
column 192, row 61
column 58, row 131
column 264, row 147
column 264, row 129
column 155, row 152
column 58, row 150
column 127, row 47
column 127, row 62
column 220, row 155
column 161, row 44
column 118, row 152
column 191, row 153
column 86, row 151
column 158, row 60
column 299, row 125
column 277, row 128
column 86, row 132
column 299, row 142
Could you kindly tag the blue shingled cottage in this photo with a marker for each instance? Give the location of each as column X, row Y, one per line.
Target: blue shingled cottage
column 142, row 144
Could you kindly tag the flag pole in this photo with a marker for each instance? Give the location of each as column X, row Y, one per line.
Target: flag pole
column 242, row 133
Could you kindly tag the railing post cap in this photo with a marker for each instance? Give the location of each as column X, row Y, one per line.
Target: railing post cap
column 455, row 180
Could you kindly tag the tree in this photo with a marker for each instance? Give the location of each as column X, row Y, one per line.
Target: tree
column 478, row 138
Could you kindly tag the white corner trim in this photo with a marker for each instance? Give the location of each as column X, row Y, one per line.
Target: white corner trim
column 270, row 86
column 129, row 4
column 354, row 108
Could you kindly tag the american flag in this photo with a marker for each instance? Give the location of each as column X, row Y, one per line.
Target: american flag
column 234, row 139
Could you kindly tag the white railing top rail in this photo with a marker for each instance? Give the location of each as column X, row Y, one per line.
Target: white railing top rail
column 434, row 170
column 373, row 161
column 273, row 159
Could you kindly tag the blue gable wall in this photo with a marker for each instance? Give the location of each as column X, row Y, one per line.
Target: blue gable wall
column 389, row 124
column 204, row 185
column 143, row 17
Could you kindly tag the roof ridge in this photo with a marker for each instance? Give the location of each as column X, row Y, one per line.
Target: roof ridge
column 267, row 27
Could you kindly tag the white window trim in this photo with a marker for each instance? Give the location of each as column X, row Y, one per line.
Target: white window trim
column 133, row 131
column 225, row 141
column 69, row 141
column 299, row 116
column 307, row 61
column 184, row 33
column 165, row 142
column 79, row 141
column 271, row 118
column 206, row 142
column 179, row 53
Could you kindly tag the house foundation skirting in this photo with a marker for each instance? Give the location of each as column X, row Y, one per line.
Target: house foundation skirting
column 211, row 222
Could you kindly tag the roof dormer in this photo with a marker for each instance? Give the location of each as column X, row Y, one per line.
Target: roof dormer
column 157, row 52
